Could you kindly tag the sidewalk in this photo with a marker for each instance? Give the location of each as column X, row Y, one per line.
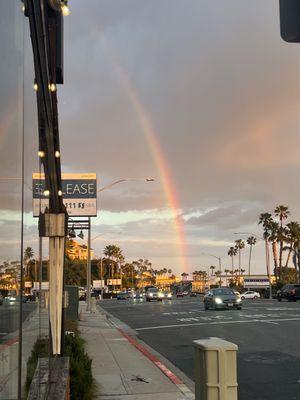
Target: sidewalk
column 122, row 368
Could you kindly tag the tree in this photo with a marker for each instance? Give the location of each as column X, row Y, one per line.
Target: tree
column 227, row 271
column 218, row 275
column 27, row 257
column 282, row 213
column 114, row 253
column 292, row 236
column 239, row 244
column 212, row 267
column 232, row 252
column 251, row 241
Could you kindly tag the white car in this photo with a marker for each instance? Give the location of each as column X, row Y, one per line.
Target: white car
column 250, row 295
column 154, row 294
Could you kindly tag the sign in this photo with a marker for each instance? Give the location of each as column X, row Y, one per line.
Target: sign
column 98, row 284
column 114, row 282
column 257, row 282
column 79, row 193
column 28, row 284
column 44, row 285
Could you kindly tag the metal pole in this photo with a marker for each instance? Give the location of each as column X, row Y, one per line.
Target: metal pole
column 40, row 267
column 101, row 277
column 268, row 267
column 220, row 268
column 88, row 269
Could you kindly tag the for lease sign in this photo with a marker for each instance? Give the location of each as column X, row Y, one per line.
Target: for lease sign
column 79, row 194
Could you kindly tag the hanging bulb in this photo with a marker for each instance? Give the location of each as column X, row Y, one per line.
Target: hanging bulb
column 35, row 87
column 46, row 192
column 52, row 87
column 41, row 153
column 57, row 154
column 65, row 9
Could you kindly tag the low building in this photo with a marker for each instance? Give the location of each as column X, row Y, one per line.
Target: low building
column 77, row 251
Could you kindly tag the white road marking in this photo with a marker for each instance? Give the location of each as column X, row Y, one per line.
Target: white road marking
column 217, row 323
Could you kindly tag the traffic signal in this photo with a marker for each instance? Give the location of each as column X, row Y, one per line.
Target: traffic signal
column 290, row 20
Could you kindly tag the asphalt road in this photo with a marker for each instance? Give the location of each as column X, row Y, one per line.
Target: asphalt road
column 267, row 333
column 9, row 317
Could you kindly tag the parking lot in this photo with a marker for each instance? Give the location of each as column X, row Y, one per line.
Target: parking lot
column 266, row 332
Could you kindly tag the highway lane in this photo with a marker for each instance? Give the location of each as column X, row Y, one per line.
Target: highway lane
column 9, row 317
column 265, row 331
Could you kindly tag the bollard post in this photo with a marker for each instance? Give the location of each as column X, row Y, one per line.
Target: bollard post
column 215, row 369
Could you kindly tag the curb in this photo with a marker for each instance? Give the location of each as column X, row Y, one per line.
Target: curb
column 173, row 378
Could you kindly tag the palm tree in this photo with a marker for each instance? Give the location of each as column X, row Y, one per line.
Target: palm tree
column 282, row 213
column 232, row 252
column 292, row 237
column 113, row 252
column 170, row 271
column 28, row 255
column 239, row 244
column 218, row 275
column 227, row 271
column 251, row 241
column 184, row 276
column 212, row 267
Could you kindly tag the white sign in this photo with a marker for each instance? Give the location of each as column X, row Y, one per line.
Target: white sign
column 79, row 193
column 28, row 284
column 98, row 284
column 44, row 285
column 113, row 281
column 256, row 282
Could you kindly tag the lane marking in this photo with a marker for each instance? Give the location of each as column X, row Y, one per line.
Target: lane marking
column 216, row 323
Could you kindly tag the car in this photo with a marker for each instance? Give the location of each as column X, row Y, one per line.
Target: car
column 167, row 295
column 250, row 295
column 123, row 296
column 237, row 293
column 221, row 298
column 154, row 294
column 136, row 295
column 185, row 293
column 290, row 292
column 179, row 293
column 193, row 294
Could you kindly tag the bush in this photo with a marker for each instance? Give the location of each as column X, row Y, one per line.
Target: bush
column 82, row 385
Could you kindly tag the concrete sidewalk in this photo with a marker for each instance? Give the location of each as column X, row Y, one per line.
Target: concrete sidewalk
column 120, row 369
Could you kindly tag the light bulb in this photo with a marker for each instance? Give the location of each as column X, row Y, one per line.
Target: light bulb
column 60, row 193
column 46, row 192
column 41, row 153
column 57, row 154
column 35, row 87
column 52, row 87
column 65, row 10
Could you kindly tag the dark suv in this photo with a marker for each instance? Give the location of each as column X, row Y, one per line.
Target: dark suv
column 290, row 292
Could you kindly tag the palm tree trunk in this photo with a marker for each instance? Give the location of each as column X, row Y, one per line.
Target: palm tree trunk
column 275, row 257
column 249, row 269
column 239, row 264
column 232, row 265
column 288, row 257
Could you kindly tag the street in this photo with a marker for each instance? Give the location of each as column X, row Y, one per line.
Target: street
column 265, row 331
column 9, row 317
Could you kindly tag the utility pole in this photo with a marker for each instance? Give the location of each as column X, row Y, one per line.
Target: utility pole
column 88, row 269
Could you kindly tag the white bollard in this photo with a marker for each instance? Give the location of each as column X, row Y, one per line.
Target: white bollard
column 215, row 369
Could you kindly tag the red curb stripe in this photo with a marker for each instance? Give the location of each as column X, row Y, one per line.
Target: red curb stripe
column 8, row 343
column 173, row 378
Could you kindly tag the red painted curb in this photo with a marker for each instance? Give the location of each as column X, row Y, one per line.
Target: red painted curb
column 173, row 378
column 8, row 343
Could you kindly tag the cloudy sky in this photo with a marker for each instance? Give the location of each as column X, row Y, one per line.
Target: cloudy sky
column 204, row 97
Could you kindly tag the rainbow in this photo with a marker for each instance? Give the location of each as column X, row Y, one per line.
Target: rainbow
column 157, row 154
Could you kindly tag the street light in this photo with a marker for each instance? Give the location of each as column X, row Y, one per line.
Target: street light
column 125, row 180
column 265, row 239
column 220, row 263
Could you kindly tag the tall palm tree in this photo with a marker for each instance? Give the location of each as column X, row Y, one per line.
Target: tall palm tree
column 113, row 252
column 292, row 237
column 282, row 212
column 27, row 257
column 218, row 275
column 212, row 267
column 240, row 245
column 251, row 241
column 232, row 252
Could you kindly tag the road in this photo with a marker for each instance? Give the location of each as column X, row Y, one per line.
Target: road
column 9, row 317
column 267, row 333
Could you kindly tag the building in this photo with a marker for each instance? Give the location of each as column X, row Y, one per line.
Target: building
column 77, row 251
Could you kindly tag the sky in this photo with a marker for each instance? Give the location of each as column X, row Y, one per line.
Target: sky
column 203, row 96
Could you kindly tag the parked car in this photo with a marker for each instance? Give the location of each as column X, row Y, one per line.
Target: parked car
column 193, row 294
column 123, row 296
column 154, row 294
column 222, row 298
column 179, row 293
column 167, row 295
column 185, row 293
column 290, row 292
column 250, row 295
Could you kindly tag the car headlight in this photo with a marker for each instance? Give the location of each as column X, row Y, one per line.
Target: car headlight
column 218, row 300
column 169, row 295
column 160, row 295
column 151, row 294
column 238, row 300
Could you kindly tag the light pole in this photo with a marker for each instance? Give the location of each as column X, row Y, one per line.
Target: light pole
column 220, row 264
column 265, row 239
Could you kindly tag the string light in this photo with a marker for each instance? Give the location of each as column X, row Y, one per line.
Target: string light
column 65, row 9
column 23, row 8
column 46, row 192
column 41, row 154
column 35, row 87
column 57, row 154
column 60, row 193
column 52, row 87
